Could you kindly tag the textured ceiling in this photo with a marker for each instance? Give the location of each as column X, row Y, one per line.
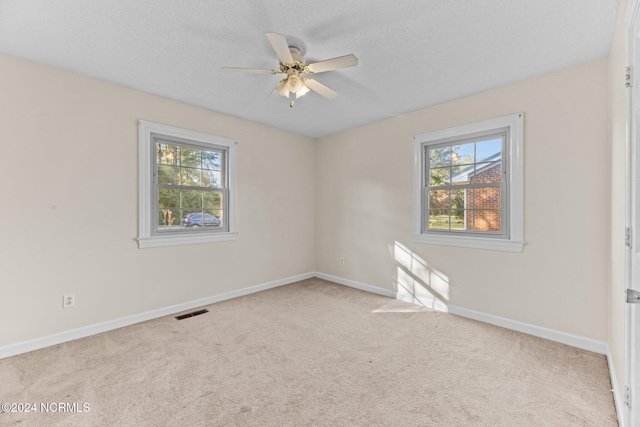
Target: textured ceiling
column 413, row 53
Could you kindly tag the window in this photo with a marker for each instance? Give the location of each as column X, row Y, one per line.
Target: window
column 187, row 186
column 468, row 187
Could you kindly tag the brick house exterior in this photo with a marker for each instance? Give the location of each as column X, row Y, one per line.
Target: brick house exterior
column 486, row 199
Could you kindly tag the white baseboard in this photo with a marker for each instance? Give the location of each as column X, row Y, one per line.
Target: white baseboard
column 357, row 285
column 85, row 331
column 572, row 340
column 538, row 331
column 617, row 398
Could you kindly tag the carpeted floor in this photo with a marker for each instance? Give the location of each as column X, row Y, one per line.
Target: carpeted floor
column 312, row 353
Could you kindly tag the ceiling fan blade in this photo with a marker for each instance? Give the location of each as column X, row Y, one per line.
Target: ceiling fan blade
column 333, row 64
column 251, row 70
column 318, row 87
column 281, row 47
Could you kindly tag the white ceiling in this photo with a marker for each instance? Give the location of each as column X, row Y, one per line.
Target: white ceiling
column 413, row 53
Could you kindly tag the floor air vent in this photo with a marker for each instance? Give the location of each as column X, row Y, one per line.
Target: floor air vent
column 193, row 313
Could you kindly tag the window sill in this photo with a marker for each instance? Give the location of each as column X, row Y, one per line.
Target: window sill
column 179, row 240
column 470, row 242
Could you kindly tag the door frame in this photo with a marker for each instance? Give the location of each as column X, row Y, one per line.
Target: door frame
column 631, row 415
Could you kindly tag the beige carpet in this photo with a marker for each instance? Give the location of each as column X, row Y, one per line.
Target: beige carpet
column 311, row 354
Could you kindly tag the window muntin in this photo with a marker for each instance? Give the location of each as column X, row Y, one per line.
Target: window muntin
column 189, row 183
column 464, row 186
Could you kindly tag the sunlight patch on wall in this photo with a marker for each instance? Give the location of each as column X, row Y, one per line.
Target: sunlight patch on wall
column 417, row 282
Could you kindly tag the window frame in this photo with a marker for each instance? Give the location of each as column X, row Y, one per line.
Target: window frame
column 148, row 235
column 510, row 239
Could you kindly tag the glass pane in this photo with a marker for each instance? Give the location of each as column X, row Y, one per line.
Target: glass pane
column 458, row 202
column 462, row 154
column 191, row 176
column 211, row 178
column 190, row 157
column 487, row 172
column 438, row 199
column 439, row 219
column 461, row 174
column 168, row 174
column 439, row 176
column 486, row 198
column 457, row 222
column 167, row 154
column 212, row 218
column 466, row 222
column 192, row 199
column 191, row 218
column 168, row 198
column 487, row 220
column 211, row 160
column 168, row 219
column 439, row 157
column 489, row 150
column 213, row 200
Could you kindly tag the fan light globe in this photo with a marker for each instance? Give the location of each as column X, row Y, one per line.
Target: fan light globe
column 303, row 90
column 294, row 83
column 282, row 88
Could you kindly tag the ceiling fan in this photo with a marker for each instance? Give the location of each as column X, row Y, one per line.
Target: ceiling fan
column 292, row 64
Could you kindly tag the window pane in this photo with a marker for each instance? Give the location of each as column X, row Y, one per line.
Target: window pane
column 457, row 222
column 439, row 157
column 211, row 178
column 211, row 160
column 168, row 198
column 185, row 214
column 213, row 200
column 213, row 218
column 439, row 176
column 485, row 198
column 438, row 199
column 192, row 199
column 461, row 174
column 190, row 157
column 167, row 154
column 458, row 203
column 199, row 219
column 168, row 174
column 220, row 215
column 439, row 219
column 489, row 150
column 487, row 172
column 462, row 154
column 168, row 219
column 191, row 176
column 487, row 220
column 467, row 220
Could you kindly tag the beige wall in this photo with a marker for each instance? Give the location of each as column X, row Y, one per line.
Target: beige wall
column 70, row 212
column 560, row 280
column 617, row 64
column 70, row 205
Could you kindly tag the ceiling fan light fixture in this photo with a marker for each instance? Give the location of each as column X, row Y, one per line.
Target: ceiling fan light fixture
column 282, row 88
column 294, row 83
column 294, row 66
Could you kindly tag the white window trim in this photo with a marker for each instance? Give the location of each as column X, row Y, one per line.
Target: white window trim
column 515, row 241
column 146, row 238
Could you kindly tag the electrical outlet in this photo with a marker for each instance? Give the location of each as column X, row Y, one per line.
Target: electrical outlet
column 341, row 261
column 69, row 301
